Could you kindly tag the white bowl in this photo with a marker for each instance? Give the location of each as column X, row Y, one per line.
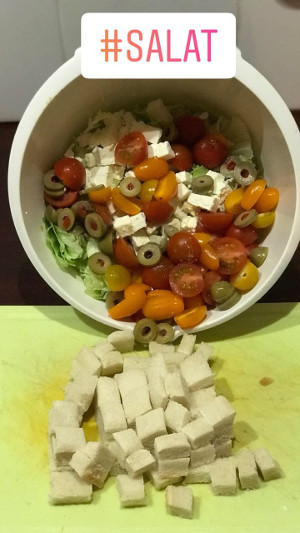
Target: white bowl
column 60, row 110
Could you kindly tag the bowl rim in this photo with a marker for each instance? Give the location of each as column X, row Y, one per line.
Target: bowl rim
column 68, row 72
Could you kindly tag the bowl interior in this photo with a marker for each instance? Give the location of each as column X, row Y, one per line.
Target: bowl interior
column 67, row 114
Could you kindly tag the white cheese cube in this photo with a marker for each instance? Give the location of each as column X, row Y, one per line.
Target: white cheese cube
column 174, row 222
column 151, row 229
column 131, row 491
column 210, row 203
column 218, row 413
column 184, row 177
column 168, row 468
column 81, row 391
column 151, row 134
column 90, row 160
column 123, row 226
column 266, row 465
column 98, row 176
column 111, row 208
column 171, row 446
column 106, row 155
column 223, row 476
column 138, row 222
column 179, row 501
column 196, row 373
column 247, row 471
column 161, row 483
column 67, row 488
column 139, row 239
column 158, row 112
column 89, row 361
column 189, row 209
column 203, row 455
column 139, row 462
column 161, row 150
column 224, row 449
column 151, row 425
column 176, row 416
column 109, row 405
column 176, row 388
column 221, row 187
column 179, row 213
column 188, row 223
column 92, row 463
column 187, row 344
column 128, row 442
column 122, row 340
column 129, row 174
column 65, row 442
column 63, row 414
column 82, row 161
column 116, row 172
column 134, row 391
column 199, row 432
column 182, row 192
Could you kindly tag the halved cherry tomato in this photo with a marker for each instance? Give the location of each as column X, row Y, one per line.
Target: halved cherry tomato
column 71, row 172
column 194, row 301
column 210, row 151
column 186, row 280
column 122, row 203
column 134, row 289
column 158, row 276
column 163, row 307
column 103, row 212
column 100, row 196
column 151, row 169
column 147, row 190
column 253, row 193
column 117, row 277
column 247, row 278
column 232, row 202
column 210, row 278
column 202, row 237
column 157, row 211
column 132, row 149
column 264, row 220
column 182, row 247
column 246, row 235
column 268, row 200
column 159, row 292
column 213, row 222
column 209, row 258
column 190, row 129
column 166, row 188
column 137, row 275
column 125, row 254
column 128, row 306
column 191, row 318
column 183, row 159
column 231, row 253
column 67, row 199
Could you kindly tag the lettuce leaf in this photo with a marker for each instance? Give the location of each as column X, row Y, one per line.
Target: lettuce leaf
column 68, row 247
column 95, row 284
column 198, row 170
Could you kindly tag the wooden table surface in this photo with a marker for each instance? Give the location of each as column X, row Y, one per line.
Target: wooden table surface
column 20, row 284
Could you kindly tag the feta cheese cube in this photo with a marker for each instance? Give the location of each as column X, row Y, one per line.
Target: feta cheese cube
column 179, row 213
column 179, row 501
column 188, row 223
column 116, row 172
column 66, row 488
column 210, row 203
column 223, row 476
column 189, row 209
column 139, row 239
column 152, row 228
column 129, row 174
column 98, row 176
column 158, row 112
column 106, row 155
column 171, row 446
column 162, row 150
column 247, row 471
column 151, row 425
column 131, row 491
column 266, row 465
column 199, row 432
column 111, row 208
column 90, row 160
column 128, row 225
column 176, row 416
column 151, row 134
column 182, row 192
column 139, row 462
column 184, row 177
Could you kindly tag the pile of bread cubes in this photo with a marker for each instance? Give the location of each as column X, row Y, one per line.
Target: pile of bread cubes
column 159, row 419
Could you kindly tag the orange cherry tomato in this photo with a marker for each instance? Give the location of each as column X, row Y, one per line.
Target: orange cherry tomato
column 202, row 238
column 209, row 258
column 101, row 196
column 191, row 317
column 233, row 201
column 125, row 254
column 166, row 188
column 135, row 289
column 128, row 306
column 163, row 307
column 253, row 193
column 151, row 169
column 159, row 292
column 147, row 190
column 122, row 203
column 194, row 301
column 268, row 200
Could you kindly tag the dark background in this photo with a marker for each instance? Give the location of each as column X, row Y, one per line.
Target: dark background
column 20, row 284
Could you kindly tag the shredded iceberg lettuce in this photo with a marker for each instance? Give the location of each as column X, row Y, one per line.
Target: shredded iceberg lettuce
column 95, row 284
column 198, row 170
column 68, row 247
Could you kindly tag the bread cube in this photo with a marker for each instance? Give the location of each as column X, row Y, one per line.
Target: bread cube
column 118, row 467
column 247, row 471
column 199, row 432
column 173, row 360
column 134, row 391
column 223, row 477
column 66, row 488
column 203, row 455
column 109, row 405
column 157, row 348
column 168, row 468
column 187, row 344
column 112, row 363
column 176, row 416
column 139, row 462
column 204, row 350
column 199, row 397
column 161, row 483
column 176, row 388
column 171, row 446
column 198, row 474
column 266, row 465
column 65, row 442
column 179, row 501
column 218, row 413
column 127, row 442
column 131, row 491
column 89, row 361
column 196, row 373
column 93, row 463
column 63, row 414
column 81, row 391
column 133, row 362
column 151, row 425
column 122, row 340
column 223, row 449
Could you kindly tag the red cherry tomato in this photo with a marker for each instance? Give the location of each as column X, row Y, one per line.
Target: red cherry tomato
column 183, row 248
column 132, row 149
column 157, row 211
column 71, row 172
column 186, row 280
column 124, row 254
column 232, row 254
column 183, row 159
column 210, row 151
column 246, row 235
column 190, row 129
column 213, row 222
column 210, row 278
column 158, row 277
column 68, row 198
column 103, row 212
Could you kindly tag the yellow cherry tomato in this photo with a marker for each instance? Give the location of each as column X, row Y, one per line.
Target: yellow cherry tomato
column 151, row 169
column 191, row 317
column 247, row 278
column 268, row 200
column 134, row 289
column 202, row 238
column 100, row 196
column 147, row 190
column 208, row 257
column 264, row 220
column 163, row 307
column 117, row 277
column 121, row 202
column 166, row 188
column 233, row 201
column 252, row 194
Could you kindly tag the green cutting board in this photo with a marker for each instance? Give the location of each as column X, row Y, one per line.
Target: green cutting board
column 37, row 347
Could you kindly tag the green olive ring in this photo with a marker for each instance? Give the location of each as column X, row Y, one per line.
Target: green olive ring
column 98, row 262
column 230, row 302
column 245, row 218
column 165, row 333
column 203, row 184
column 51, row 214
column 106, row 245
column 130, row 187
column 244, row 173
column 66, row 218
column 95, row 225
column 52, row 182
column 149, row 254
column 145, row 331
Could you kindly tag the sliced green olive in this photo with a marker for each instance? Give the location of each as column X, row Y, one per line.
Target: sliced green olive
column 230, row 302
column 202, row 184
column 221, row 291
column 170, row 132
column 245, row 218
column 52, row 182
column 170, row 230
column 145, row 330
column 98, row 263
column 130, row 187
column 66, row 219
column 113, row 298
column 51, row 214
column 95, row 225
column 244, row 173
column 149, row 254
column 258, row 255
column 106, row 245
column 165, row 333
column 81, row 209
column 54, row 194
